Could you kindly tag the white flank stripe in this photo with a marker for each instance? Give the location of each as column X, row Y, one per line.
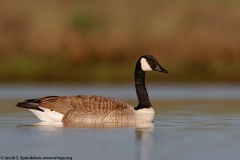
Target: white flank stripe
column 48, row 115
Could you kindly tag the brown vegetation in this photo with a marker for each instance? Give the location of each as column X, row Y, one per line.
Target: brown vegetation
column 194, row 40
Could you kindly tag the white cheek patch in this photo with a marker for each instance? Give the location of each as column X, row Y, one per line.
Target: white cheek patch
column 145, row 66
column 48, row 115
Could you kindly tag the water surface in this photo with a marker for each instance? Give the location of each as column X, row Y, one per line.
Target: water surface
column 192, row 122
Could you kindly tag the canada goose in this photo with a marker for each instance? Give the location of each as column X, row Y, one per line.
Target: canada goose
column 98, row 109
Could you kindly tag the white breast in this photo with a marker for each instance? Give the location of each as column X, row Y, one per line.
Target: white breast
column 145, row 115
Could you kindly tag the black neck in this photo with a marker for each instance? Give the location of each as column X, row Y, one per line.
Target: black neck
column 141, row 88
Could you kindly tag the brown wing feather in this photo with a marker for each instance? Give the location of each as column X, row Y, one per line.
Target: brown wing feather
column 90, row 103
column 56, row 103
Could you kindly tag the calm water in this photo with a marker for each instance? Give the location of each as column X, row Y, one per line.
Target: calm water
column 192, row 122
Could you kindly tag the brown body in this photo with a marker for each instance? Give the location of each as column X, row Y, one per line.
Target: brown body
column 89, row 108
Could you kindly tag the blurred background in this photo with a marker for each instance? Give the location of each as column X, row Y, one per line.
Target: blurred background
column 99, row 41
column 71, row 47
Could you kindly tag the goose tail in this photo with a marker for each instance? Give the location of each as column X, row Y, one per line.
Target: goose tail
column 30, row 104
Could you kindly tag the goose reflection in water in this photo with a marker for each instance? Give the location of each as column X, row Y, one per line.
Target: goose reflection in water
column 100, row 141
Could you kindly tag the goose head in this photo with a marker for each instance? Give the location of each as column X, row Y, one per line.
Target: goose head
column 150, row 63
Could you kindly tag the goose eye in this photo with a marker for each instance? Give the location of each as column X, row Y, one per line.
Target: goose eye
column 152, row 61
